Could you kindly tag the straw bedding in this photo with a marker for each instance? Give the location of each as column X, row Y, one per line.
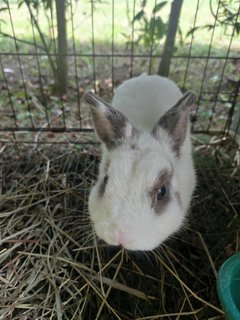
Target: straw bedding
column 53, row 267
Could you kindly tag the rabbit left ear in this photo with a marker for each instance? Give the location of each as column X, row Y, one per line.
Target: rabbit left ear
column 111, row 126
column 175, row 121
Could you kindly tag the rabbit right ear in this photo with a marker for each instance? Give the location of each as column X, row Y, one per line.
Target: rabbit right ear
column 111, row 126
column 175, row 121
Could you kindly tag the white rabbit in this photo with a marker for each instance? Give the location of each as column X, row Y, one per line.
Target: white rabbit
column 146, row 176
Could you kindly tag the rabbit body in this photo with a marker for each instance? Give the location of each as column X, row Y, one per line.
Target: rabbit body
column 145, row 99
column 146, row 176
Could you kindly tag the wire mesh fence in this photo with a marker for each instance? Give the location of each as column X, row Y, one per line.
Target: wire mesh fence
column 108, row 42
column 51, row 262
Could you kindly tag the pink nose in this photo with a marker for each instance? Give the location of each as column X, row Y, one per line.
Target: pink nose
column 121, row 237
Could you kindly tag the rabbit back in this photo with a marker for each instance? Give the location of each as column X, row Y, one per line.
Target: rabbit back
column 145, row 99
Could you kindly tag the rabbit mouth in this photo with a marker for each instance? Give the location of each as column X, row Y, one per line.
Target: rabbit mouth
column 112, row 235
column 118, row 237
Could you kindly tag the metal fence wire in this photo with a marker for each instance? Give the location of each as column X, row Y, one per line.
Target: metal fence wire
column 108, row 42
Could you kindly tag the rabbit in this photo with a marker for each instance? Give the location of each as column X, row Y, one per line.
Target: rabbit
column 146, row 175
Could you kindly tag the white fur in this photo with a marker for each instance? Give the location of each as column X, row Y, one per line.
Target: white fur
column 145, row 99
column 124, row 215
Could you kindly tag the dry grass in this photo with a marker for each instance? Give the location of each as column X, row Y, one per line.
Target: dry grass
column 52, row 266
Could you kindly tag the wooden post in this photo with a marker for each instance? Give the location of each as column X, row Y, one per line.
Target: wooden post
column 62, row 68
column 164, row 65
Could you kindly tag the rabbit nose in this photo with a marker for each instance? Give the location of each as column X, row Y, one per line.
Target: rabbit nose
column 114, row 235
column 121, row 237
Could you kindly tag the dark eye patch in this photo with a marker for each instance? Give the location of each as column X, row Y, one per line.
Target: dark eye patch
column 160, row 191
column 103, row 184
column 104, row 180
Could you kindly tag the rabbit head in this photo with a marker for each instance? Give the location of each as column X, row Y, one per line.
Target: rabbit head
column 139, row 199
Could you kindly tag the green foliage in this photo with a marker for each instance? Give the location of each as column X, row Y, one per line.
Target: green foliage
column 226, row 15
column 36, row 4
column 150, row 29
column 59, row 70
column 3, row 7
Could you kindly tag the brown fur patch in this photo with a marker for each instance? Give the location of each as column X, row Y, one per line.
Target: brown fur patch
column 164, row 178
column 102, row 126
column 110, row 124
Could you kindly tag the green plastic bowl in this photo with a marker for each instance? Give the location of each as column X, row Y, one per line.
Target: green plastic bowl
column 228, row 287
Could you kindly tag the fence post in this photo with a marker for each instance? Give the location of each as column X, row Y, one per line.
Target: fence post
column 62, row 68
column 164, row 65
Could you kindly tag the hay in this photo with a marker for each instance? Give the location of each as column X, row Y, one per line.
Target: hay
column 53, row 267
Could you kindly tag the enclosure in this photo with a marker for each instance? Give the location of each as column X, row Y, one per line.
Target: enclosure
column 52, row 266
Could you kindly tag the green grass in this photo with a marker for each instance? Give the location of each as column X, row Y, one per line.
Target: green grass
column 122, row 31
column 104, row 66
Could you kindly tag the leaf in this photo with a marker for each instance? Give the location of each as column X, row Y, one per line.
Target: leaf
column 3, row 9
column 138, row 16
column 180, row 35
column 159, row 6
column 143, row 3
column 21, row 95
column 147, row 41
column 35, row 4
column 47, row 4
column 209, row 27
column 237, row 27
column 20, row 3
column 152, row 26
column 2, row 21
column 161, row 28
column 157, row 28
column 192, row 31
column 23, row 115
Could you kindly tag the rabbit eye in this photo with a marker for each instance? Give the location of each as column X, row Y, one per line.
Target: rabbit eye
column 161, row 192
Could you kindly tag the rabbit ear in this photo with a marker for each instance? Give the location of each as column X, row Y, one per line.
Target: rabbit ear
column 112, row 127
column 175, row 120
